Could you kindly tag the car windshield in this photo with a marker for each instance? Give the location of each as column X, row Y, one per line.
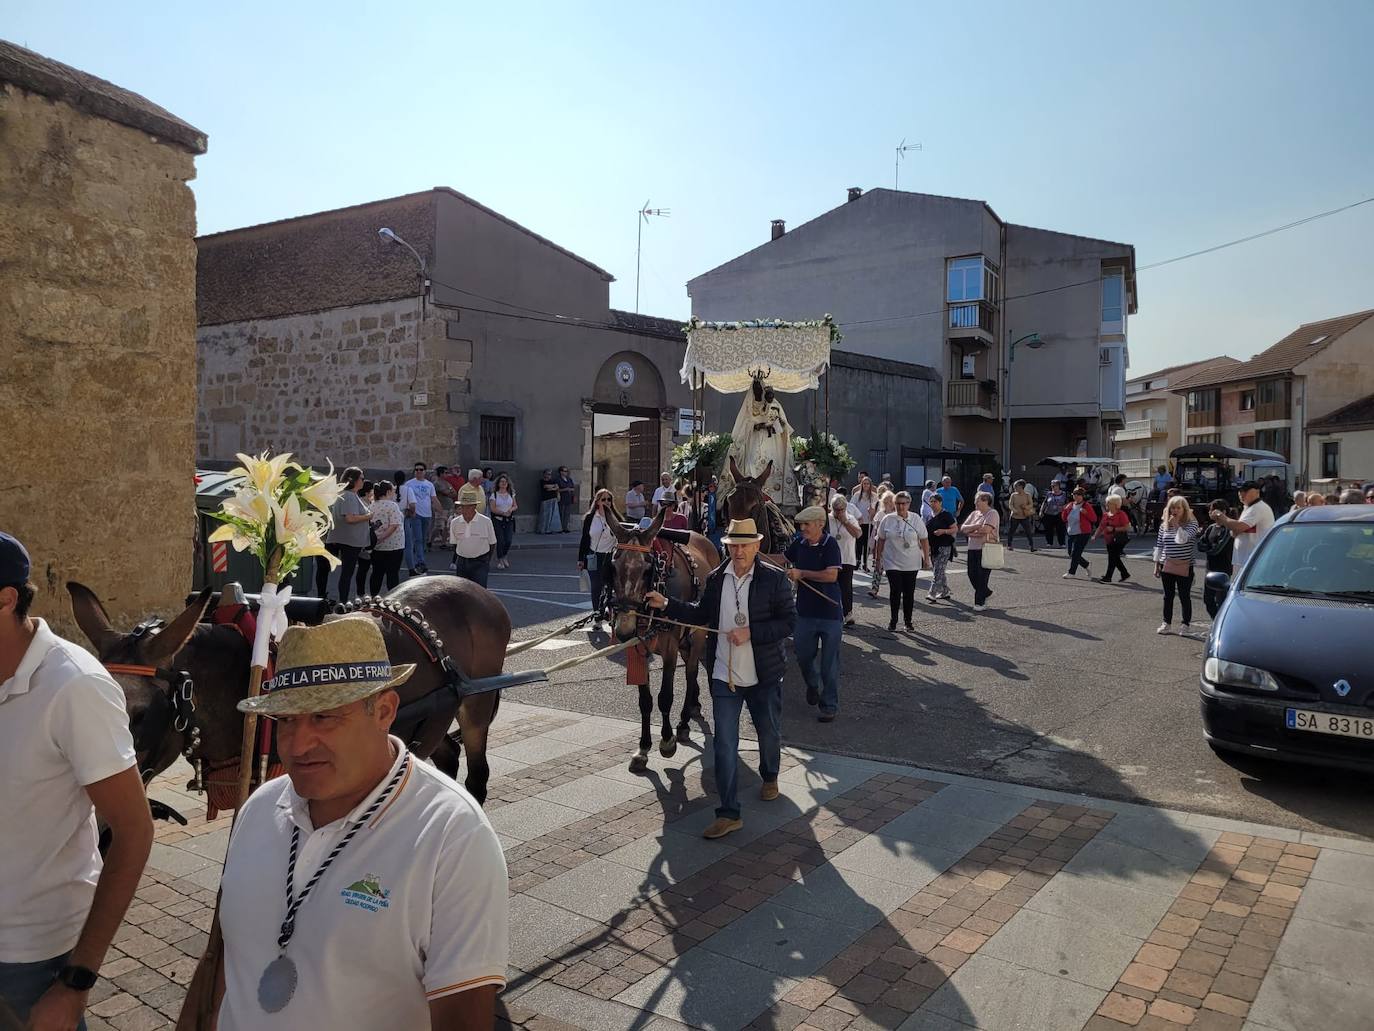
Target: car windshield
column 1315, row 558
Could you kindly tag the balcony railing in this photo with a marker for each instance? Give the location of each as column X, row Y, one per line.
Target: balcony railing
column 1135, row 467
column 1143, row 429
column 971, row 315
column 969, row 393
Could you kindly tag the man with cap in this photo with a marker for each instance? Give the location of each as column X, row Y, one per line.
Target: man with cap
column 816, row 559
column 365, row 888
column 1256, row 519
column 747, row 604
column 66, row 757
column 472, row 535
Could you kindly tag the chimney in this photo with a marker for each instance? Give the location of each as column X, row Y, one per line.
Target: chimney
column 855, row 192
column 779, row 227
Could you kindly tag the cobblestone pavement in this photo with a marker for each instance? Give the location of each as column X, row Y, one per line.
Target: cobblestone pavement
column 868, row 895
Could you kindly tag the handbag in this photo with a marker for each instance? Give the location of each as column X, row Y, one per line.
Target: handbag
column 994, row 556
column 1177, row 566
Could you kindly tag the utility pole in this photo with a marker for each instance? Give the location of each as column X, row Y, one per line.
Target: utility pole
column 644, row 214
column 1030, row 340
column 902, row 148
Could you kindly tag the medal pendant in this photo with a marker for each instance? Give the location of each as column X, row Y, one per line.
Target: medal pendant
column 741, row 619
column 277, row 985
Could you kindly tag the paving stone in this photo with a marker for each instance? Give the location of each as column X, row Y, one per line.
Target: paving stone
column 703, row 988
column 785, row 941
column 1106, row 905
column 1065, row 947
column 844, row 896
column 999, row 996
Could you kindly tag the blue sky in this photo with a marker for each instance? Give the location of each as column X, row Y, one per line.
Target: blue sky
column 1174, row 129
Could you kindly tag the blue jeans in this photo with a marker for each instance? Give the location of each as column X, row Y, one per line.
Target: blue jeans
column 821, row 672
column 765, row 709
column 23, row 984
column 417, row 537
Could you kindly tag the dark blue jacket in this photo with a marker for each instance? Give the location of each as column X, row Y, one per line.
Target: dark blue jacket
column 772, row 617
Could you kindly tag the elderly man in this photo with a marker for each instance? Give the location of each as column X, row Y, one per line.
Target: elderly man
column 365, row 888
column 750, row 602
column 478, row 479
column 66, row 757
column 472, row 535
column 954, row 501
column 815, row 559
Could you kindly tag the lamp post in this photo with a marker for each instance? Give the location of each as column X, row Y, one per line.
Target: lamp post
column 1030, row 340
column 388, row 234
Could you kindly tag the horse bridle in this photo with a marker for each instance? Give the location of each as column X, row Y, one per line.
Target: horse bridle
column 174, row 704
column 655, row 577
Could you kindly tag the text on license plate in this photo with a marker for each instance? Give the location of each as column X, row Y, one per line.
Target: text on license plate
column 1329, row 723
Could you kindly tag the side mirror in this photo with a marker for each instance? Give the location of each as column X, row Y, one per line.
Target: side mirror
column 1220, row 582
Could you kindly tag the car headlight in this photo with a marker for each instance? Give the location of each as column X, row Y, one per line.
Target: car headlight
column 1233, row 674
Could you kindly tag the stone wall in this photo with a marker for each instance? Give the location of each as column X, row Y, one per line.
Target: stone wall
column 339, row 385
column 97, row 334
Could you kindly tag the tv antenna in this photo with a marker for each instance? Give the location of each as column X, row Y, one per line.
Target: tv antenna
column 644, row 214
column 902, row 148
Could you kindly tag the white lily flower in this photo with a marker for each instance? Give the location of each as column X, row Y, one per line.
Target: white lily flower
column 323, row 491
column 251, row 505
column 234, row 535
column 291, row 521
column 313, row 544
column 262, row 473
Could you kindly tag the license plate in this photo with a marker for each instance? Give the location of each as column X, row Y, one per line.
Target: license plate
column 1329, row 723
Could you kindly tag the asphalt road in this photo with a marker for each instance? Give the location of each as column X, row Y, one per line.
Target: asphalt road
column 1061, row 683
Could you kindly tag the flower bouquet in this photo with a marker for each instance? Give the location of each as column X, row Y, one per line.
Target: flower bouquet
column 705, row 452
column 825, row 450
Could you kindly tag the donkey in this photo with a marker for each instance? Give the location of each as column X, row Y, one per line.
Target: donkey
column 747, row 500
column 471, row 625
column 677, row 572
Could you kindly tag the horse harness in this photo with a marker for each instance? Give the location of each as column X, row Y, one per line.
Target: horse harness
column 173, row 705
column 656, row 575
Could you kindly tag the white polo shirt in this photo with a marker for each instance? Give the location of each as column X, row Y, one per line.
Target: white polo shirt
column 739, row 658
column 412, row 910
column 63, row 726
column 471, row 539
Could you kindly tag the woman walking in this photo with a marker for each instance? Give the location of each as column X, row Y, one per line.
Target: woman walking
column 886, row 506
column 595, row 547
column 390, row 528
column 1052, row 514
column 1078, row 516
column 1175, row 547
column 1217, row 545
column 906, row 549
column 1115, row 530
column 863, row 507
column 347, row 537
column 847, row 532
column 926, row 510
column 981, row 527
column 502, row 506
column 1022, row 510
column 943, row 528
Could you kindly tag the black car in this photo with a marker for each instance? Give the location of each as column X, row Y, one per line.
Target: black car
column 1289, row 671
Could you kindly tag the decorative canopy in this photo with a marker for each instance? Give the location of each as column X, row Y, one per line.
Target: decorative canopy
column 792, row 355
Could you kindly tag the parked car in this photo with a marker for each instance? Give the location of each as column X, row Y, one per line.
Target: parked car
column 1289, row 669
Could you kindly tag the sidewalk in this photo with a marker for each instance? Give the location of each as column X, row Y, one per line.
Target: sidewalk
column 867, row 895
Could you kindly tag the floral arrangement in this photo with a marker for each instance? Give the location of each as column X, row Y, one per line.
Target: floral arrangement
column 825, row 450
column 705, row 451
column 280, row 511
column 826, row 321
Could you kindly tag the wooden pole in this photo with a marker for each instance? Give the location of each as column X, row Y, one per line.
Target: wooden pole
column 250, row 719
column 827, row 401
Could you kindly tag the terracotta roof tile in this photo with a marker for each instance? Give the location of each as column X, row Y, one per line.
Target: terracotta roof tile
column 648, row 325
column 1357, row 413
column 1190, row 368
column 1284, row 356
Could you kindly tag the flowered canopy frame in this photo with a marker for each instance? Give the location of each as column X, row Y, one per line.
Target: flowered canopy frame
column 725, row 355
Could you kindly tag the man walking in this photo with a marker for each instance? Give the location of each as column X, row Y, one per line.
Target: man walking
column 748, row 606
column 66, row 757
column 1256, row 519
column 665, row 486
column 417, row 502
column 473, row 537
column 954, row 501
column 816, row 561
column 365, row 888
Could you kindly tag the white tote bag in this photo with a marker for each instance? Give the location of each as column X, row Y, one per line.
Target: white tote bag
column 994, row 556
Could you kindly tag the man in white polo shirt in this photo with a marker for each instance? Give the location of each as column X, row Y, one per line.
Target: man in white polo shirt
column 66, row 756
column 365, row 889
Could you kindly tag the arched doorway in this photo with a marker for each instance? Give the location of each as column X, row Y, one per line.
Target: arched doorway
column 624, row 433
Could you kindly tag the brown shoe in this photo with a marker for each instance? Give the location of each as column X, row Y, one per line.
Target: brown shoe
column 723, row 826
column 769, row 791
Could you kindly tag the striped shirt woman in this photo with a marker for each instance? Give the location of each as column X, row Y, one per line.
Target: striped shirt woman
column 1175, row 550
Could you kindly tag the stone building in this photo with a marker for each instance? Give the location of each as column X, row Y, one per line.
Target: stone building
column 97, row 334
column 489, row 345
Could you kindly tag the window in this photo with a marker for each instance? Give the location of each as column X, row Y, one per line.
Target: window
column 1247, row 400
column 1273, row 440
column 1204, row 438
column 1331, row 460
column 497, row 438
column 1247, row 440
column 1113, row 302
column 971, row 279
column 1271, row 400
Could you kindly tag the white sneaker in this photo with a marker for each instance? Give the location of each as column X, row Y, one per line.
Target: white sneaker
column 1068, row 576
column 1163, row 629
column 979, row 608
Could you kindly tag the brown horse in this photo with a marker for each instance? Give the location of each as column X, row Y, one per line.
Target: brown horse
column 678, row 572
column 747, row 500
column 468, row 625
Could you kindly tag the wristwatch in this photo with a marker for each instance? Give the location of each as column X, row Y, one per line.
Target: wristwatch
column 81, row 979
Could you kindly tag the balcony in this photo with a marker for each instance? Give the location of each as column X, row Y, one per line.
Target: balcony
column 971, row 321
column 1143, row 429
column 1135, row 468
column 968, row 397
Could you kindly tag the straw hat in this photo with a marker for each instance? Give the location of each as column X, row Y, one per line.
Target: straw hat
column 742, row 531
column 470, row 495
column 327, row 666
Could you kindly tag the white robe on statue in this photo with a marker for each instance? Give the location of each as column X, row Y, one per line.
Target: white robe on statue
column 763, row 434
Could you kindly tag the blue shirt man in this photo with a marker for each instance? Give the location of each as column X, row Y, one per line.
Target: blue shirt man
column 815, row 559
column 949, row 494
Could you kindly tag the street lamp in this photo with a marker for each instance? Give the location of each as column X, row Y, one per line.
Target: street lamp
column 1030, row 340
column 390, row 234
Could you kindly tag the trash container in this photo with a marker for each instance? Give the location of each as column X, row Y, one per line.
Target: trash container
column 218, row 564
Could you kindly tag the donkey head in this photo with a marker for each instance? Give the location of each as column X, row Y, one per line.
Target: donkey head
column 216, row 658
column 632, row 573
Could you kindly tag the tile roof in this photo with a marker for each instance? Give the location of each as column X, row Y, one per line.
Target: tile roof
column 1357, row 413
column 648, row 325
column 1191, row 368
column 1308, row 339
column 85, row 92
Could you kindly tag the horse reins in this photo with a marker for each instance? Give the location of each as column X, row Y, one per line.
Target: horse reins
column 178, row 708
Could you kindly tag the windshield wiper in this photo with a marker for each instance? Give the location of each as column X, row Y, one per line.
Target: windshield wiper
column 1360, row 595
column 1278, row 589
